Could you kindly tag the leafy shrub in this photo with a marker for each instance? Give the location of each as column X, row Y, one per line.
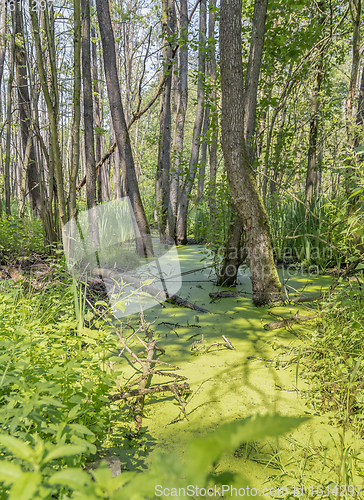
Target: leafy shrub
column 53, row 383
column 20, row 235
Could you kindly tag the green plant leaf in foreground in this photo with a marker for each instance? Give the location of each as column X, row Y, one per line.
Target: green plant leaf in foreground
column 203, row 453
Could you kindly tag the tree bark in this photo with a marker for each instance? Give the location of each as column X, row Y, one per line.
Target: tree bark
column 144, row 245
column 249, row 204
column 181, row 228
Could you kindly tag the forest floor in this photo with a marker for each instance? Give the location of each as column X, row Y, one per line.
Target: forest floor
column 232, row 384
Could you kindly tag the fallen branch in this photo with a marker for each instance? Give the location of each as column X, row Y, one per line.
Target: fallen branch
column 287, row 321
column 224, row 294
column 184, row 387
column 152, row 290
column 99, row 165
column 306, row 299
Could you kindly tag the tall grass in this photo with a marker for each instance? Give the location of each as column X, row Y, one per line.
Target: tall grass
column 301, row 236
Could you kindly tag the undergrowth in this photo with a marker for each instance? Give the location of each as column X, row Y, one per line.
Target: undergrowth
column 334, row 362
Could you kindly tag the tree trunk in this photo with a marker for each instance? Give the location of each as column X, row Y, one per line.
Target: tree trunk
column 51, row 99
column 202, row 170
column 8, row 127
column 314, row 119
column 226, row 275
column 214, row 127
column 88, row 122
column 249, row 204
column 350, row 175
column 122, row 135
column 164, row 157
column 181, row 229
column 252, row 74
column 76, row 107
column 181, row 95
column 3, row 4
column 25, row 113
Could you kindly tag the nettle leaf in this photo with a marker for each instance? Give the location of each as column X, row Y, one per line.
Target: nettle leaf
column 17, row 447
column 26, row 486
column 82, row 429
column 9, row 472
column 71, row 477
column 64, row 451
column 103, row 477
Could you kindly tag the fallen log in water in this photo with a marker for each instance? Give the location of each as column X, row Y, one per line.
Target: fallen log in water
column 152, row 290
column 287, row 321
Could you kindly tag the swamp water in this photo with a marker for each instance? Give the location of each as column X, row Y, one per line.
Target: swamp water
column 232, row 384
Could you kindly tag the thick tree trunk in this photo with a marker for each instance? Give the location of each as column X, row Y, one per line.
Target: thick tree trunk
column 226, row 275
column 181, row 95
column 181, row 228
column 122, row 135
column 164, row 156
column 25, row 112
column 249, row 204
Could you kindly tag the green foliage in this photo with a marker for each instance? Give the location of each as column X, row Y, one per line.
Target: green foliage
column 20, row 235
column 291, row 227
column 334, row 361
column 53, row 382
column 30, row 473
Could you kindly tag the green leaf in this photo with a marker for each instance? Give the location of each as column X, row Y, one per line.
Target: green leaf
column 73, row 478
column 17, row 447
column 26, row 486
column 64, row 451
column 359, row 266
column 103, row 477
column 9, row 472
column 82, row 428
column 202, row 453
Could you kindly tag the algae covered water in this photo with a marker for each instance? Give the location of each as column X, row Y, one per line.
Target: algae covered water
column 230, row 384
